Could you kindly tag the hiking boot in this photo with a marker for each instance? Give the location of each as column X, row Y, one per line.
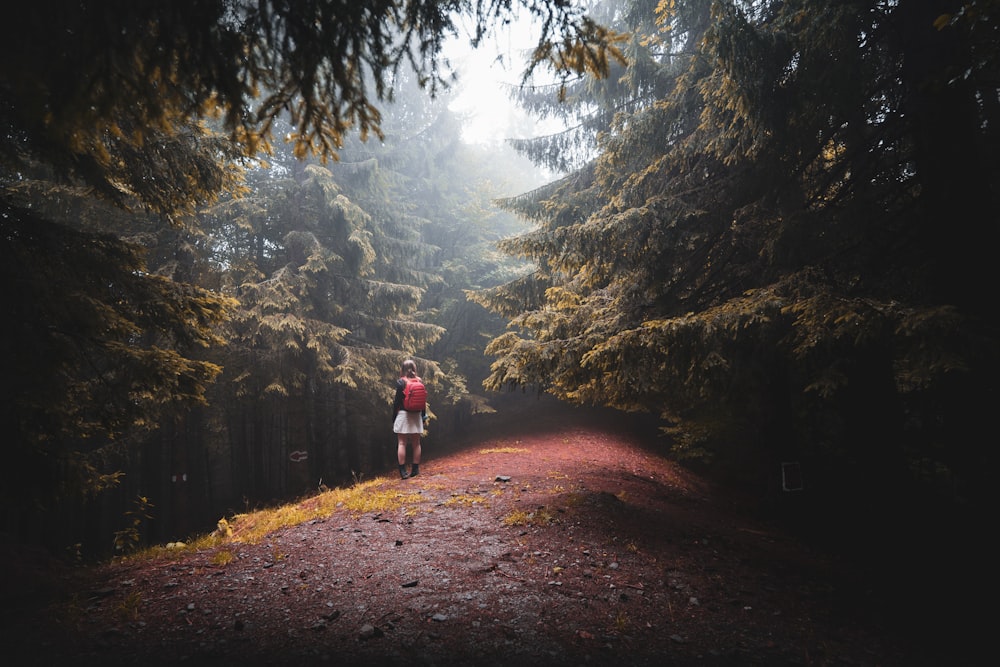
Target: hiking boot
column 414, row 470
column 402, row 472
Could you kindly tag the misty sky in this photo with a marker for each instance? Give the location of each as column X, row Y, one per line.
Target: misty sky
column 485, row 76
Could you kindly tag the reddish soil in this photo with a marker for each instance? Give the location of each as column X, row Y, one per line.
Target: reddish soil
column 624, row 558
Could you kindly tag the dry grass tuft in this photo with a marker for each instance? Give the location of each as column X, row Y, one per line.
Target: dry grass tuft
column 539, row 517
column 223, row 557
column 128, row 608
column 373, row 496
column 361, row 498
column 465, row 500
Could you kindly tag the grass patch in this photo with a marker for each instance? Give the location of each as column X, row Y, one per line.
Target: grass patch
column 539, row 517
column 223, row 557
column 621, row 622
column 434, row 486
column 252, row 527
column 465, row 500
column 361, row 498
column 128, row 608
column 369, row 497
column 172, row 550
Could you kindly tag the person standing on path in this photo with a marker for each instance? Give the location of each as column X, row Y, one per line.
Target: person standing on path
column 409, row 421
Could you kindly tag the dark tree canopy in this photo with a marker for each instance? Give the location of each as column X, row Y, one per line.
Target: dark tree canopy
column 91, row 88
column 119, row 122
column 787, row 255
column 775, row 232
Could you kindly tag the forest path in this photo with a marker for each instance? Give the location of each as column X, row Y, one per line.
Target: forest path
column 544, row 541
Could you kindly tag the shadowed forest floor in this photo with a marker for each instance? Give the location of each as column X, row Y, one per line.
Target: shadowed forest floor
column 546, row 541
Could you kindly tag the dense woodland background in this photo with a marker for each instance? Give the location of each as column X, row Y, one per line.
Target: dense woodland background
column 771, row 227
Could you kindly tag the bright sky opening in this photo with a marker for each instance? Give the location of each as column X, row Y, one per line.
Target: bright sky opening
column 486, row 76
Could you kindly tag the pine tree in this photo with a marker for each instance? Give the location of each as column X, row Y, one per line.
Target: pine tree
column 98, row 351
column 156, row 108
column 587, row 105
column 755, row 257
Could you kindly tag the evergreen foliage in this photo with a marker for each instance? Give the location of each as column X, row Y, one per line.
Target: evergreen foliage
column 787, row 255
column 348, row 285
column 122, row 122
column 91, row 79
column 98, row 351
column 587, row 104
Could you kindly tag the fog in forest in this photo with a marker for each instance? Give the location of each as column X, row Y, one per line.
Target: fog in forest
column 765, row 227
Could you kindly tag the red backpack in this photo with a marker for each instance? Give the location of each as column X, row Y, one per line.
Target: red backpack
column 414, row 395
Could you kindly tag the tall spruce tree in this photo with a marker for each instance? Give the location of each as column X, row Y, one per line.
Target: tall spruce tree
column 108, row 100
column 785, row 256
column 586, row 105
column 340, row 276
column 315, row 343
